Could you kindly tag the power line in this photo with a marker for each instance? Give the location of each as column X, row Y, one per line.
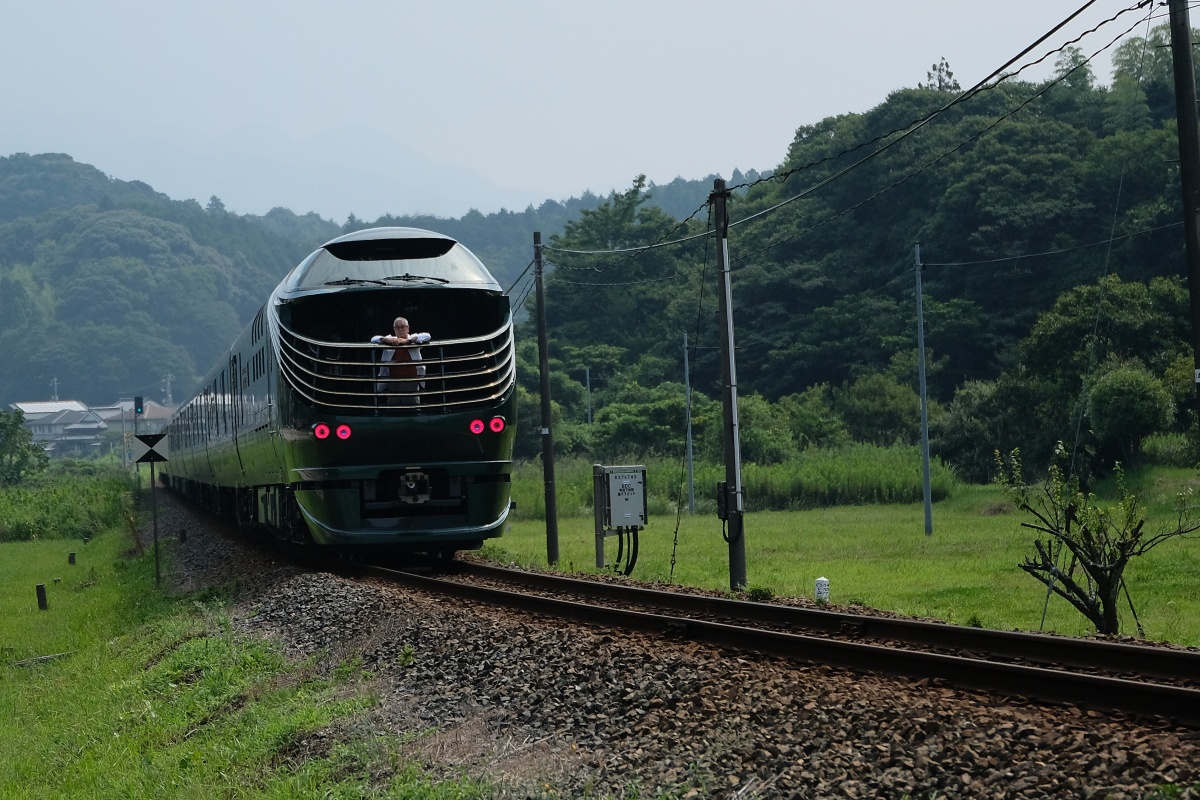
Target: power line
column 978, row 88
column 670, row 278
column 518, row 278
column 929, row 164
column 1100, row 243
column 637, row 250
column 906, row 131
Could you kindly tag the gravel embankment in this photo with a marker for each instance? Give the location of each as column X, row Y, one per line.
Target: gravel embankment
column 574, row 712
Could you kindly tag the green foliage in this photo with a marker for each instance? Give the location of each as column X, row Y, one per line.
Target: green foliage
column 20, row 458
column 963, row 433
column 1125, row 405
column 812, row 419
column 67, row 506
column 765, row 434
column 817, row 478
column 1169, row 450
column 879, row 410
column 850, row 475
column 1136, row 331
column 647, row 423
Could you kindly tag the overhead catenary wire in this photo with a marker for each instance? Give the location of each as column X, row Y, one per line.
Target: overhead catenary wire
column 913, row 174
column 906, row 131
column 528, row 290
column 978, row 88
column 518, row 278
column 668, row 279
column 641, row 248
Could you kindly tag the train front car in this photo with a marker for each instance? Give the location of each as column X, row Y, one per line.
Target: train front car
column 424, row 462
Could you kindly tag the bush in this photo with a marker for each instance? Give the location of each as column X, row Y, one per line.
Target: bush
column 1127, row 404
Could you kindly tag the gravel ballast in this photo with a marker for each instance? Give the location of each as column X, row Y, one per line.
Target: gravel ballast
column 541, row 709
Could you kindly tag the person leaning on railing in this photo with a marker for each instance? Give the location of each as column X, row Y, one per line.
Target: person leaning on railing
column 398, row 362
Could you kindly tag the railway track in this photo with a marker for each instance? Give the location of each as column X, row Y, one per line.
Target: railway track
column 1135, row 680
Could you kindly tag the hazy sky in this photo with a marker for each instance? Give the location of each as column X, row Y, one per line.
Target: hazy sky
column 372, row 107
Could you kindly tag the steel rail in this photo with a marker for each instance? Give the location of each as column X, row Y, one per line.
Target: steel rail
column 1174, row 703
column 1156, row 662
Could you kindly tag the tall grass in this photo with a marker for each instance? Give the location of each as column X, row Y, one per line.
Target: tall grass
column 851, row 475
column 66, row 506
column 1169, row 450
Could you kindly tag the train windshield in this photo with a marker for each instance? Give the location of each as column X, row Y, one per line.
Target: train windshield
column 391, row 262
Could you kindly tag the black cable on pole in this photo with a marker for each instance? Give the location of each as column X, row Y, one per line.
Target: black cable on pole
column 691, row 382
column 522, row 275
column 904, row 133
column 643, row 248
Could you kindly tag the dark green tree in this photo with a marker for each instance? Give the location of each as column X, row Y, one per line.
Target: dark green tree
column 1125, row 405
column 879, row 410
column 20, row 458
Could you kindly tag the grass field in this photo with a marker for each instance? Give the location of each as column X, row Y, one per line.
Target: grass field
column 879, row 556
column 147, row 696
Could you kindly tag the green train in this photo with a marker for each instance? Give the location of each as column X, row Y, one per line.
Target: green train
column 303, row 427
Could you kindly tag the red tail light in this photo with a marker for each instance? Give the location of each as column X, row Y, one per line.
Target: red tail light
column 497, row 424
column 321, row 430
column 477, row 426
column 343, row 431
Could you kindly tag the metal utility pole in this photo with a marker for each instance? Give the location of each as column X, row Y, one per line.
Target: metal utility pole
column 734, row 500
column 924, row 394
column 1189, row 161
column 547, row 434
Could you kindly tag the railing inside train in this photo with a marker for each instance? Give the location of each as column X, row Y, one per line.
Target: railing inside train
column 346, row 375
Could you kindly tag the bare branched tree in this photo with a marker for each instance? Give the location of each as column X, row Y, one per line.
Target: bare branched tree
column 1100, row 540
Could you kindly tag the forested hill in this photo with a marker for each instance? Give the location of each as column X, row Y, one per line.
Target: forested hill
column 1043, row 211
column 109, row 286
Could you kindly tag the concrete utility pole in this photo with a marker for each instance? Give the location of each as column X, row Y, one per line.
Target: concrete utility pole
column 734, row 500
column 924, row 394
column 1189, row 162
column 547, row 433
column 687, row 401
